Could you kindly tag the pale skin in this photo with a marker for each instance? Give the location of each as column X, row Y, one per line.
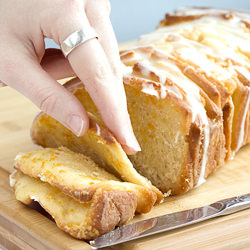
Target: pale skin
column 30, row 69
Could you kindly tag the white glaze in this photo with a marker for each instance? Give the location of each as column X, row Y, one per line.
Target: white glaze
column 126, row 70
column 166, row 69
column 226, row 36
column 146, row 67
column 11, row 179
column 221, row 46
column 242, row 127
column 98, row 130
column 18, row 156
column 210, row 11
column 149, row 89
column 34, row 198
column 42, row 178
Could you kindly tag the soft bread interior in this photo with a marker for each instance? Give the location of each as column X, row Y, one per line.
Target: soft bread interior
column 170, row 144
column 98, row 143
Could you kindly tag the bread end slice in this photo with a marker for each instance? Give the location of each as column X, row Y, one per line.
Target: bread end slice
column 81, row 220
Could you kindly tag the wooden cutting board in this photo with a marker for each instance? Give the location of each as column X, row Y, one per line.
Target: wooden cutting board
column 22, row 227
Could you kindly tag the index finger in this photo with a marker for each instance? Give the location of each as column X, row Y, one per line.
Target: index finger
column 91, row 65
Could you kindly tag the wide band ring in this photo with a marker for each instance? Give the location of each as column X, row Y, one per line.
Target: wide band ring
column 76, row 38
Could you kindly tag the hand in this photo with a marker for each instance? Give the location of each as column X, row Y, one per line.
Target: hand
column 32, row 70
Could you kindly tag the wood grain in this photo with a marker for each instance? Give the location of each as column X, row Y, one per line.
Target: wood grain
column 22, row 227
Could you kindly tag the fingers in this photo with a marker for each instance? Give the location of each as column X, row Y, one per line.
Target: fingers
column 56, row 65
column 98, row 16
column 102, row 87
column 91, row 65
column 52, row 98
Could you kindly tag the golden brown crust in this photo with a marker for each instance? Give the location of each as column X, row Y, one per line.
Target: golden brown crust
column 184, row 181
column 107, row 210
column 200, row 31
column 186, row 15
column 77, row 176
column 173, row 19
column 210, row 95
column 195, row 148
column 81, row 220
column 241, row 97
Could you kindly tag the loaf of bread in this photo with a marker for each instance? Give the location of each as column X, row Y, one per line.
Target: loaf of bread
column 84, row 199
column 187, row 85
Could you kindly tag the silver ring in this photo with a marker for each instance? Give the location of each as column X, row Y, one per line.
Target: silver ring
column 76, row 38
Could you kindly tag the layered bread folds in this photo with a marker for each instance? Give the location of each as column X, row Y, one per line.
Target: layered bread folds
column 187, row 85
column 84, row 199
column 98, row 144
column 85, row 220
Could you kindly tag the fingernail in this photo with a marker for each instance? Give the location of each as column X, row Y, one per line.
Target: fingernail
column 76, row 123
column 134, row 145
column 131, row 141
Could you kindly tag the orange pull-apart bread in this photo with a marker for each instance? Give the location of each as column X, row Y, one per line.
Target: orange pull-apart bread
column 84, row 199
column 187, row 86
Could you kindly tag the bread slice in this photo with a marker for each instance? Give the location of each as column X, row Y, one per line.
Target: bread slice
column 82, row 220
column 78, row 176
column 161, row 126
column 223, row 37
column 166, row 55
column 98, row 143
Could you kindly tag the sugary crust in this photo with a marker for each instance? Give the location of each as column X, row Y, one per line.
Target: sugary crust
column 225, row 34
column 173, row 19
column 66, row 170
column 96, row 129
column 81, row 220
column 194, row 13
column 215, row 152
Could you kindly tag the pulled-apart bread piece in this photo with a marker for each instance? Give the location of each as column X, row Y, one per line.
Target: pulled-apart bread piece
column 98, row 143
column 221, row 38
column 173, row 139
column 78, row 176
column 178, row 52
column 188, row 94
column 82, row 220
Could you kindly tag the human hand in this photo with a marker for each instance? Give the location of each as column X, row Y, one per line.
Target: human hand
column 32, row 70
